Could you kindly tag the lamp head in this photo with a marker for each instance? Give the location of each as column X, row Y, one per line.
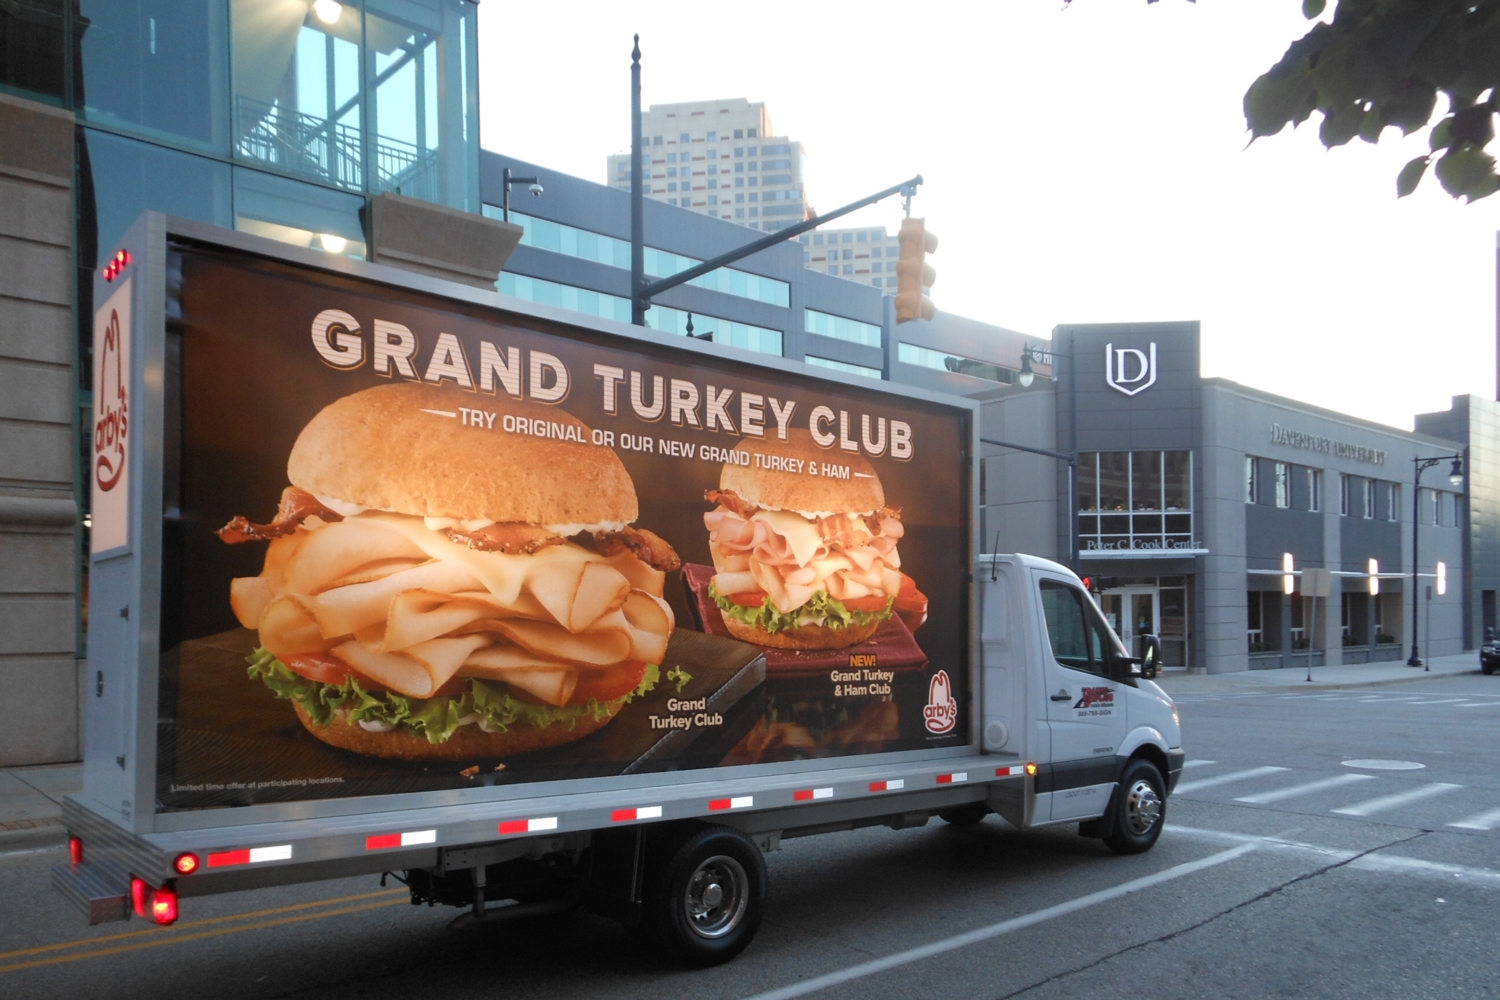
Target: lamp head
column 536, row 190
column 1027, row 376
column 1456, row 474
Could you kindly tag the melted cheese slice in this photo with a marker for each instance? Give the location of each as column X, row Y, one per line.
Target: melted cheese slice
column 801, row 534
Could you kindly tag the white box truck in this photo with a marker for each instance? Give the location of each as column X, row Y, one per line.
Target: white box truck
column 533, row 611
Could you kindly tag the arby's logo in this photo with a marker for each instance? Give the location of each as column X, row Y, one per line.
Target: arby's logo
column 941, row 712
column 111, row 409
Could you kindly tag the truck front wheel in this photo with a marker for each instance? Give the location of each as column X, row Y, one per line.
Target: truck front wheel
column 706, row 897
column 1139, row 810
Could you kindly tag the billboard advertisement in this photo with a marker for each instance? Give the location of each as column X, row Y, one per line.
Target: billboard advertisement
column 415, row 544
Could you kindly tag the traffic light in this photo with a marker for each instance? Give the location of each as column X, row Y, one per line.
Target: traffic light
column 913, row 274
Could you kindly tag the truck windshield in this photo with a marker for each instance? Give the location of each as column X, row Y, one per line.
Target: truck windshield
column 1078, row 639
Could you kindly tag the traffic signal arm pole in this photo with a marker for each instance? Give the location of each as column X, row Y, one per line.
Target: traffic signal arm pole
column 648, row 292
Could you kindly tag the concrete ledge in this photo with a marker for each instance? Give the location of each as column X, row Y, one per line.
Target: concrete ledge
column 38, row 836
column 38, row 512
column 439, row 241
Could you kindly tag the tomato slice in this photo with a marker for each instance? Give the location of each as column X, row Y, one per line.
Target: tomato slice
column 748, row 598
column 609, row 684
column 911, row 604
column 323, row 669
column 910, row 598
column 874, row 602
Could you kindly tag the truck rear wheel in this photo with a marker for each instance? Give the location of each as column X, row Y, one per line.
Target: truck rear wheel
column 1139, row 810
column 706, row 896
column 965, row 815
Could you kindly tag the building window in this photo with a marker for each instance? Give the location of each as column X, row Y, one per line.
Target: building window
column 892, row 282
column 1252, row 490
column 739, row 133
column 713, row 199
column 671, row 185
column 926, row 357
column 840, row 328
column 683, row 138
column 1283, row 485
column 1343, row 495
column 671, row 201
column 750, row 134
column 1314, row 490
column 1393, row 501
column 739, row 213
column 656, row 140
column 712, row 137
column 1135, row 500
column 1369, row 496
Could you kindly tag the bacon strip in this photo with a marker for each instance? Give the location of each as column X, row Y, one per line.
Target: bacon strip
column 647, row 546
column 296, row 506
column 730, row 500
column 514, row 538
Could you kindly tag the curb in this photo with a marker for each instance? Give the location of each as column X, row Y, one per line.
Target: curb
column 1287, row 687
column 49, row 834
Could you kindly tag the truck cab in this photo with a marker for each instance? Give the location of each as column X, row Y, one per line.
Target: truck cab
column 1061, row 688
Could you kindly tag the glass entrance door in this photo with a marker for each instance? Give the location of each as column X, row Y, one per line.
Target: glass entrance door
column 1132, row 612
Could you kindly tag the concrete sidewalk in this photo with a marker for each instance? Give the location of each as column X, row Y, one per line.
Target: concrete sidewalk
column 1289, row 679
column 31, row 797
column 31, row 804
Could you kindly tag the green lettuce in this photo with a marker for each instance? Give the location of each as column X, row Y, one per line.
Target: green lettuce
column 435, row 719
column 820, row 605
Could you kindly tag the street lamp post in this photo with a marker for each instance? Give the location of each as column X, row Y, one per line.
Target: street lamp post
column 1455, row 479
column 1034, row 354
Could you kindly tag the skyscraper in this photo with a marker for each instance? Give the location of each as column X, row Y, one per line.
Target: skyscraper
column 720, row 158
column 867, row 255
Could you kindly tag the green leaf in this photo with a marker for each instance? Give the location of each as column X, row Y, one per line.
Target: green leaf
column 1312, row 8
column 1411, row 175
column 1439, row 137
column 1467, row 172
column 1342, row 125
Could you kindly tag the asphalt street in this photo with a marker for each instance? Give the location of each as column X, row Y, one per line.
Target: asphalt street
column 1338, row 844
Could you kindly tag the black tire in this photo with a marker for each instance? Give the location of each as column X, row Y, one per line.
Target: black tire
column 965, row 815
column 1138, row 810
column 1486, row 666
column 705, row 897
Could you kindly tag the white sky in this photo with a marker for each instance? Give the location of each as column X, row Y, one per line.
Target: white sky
column 1082, row 165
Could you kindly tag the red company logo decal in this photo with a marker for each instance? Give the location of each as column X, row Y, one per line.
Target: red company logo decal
column 113, row 411
column 941, row 712
column 1096, row 696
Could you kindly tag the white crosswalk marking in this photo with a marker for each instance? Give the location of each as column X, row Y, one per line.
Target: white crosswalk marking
column 1385, row 803
column 1261, row 798
column 1224, row 779
column 1441, row 701
column 1477, row 704
column 1484, row 821
column 1197, row 762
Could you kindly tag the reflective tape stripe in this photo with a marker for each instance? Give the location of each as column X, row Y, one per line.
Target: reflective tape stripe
column 384, row 841
column 249, row 856
column 808, row 794
column 629, row 815
column 738, row 802
column 887, row 786
column 948, row 779
column 1001, row 772
column 528, row 825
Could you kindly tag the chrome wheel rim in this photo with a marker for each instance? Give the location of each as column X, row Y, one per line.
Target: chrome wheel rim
column 1142, row 807
column 716, row 897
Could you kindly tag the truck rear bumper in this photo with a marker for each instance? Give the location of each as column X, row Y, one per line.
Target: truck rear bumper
column 96, row 893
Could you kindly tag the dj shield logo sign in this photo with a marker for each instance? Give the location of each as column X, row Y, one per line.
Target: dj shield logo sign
column 1129, row 369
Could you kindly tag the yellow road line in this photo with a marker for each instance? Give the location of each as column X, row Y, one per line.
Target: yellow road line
column 183, row 938
column 85, row 942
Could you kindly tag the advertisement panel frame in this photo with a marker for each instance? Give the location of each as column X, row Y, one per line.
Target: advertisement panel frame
column 120, row 774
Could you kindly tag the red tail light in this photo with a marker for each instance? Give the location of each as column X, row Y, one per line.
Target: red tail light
column 164, row 905
column 140, row 895
column 75, row 850
column 157, row 905
column 186, row 863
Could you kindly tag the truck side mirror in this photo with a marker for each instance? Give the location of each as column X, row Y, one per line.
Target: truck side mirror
column 1150, row 656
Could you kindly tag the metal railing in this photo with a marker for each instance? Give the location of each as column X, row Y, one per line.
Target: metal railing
column 333, row 152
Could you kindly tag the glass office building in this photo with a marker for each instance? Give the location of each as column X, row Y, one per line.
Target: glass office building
column 280, row 118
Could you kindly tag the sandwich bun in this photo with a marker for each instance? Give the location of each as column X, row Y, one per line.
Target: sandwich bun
column 468, row 743
column 382, row 448
column 781, row 490
column 802, row 636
